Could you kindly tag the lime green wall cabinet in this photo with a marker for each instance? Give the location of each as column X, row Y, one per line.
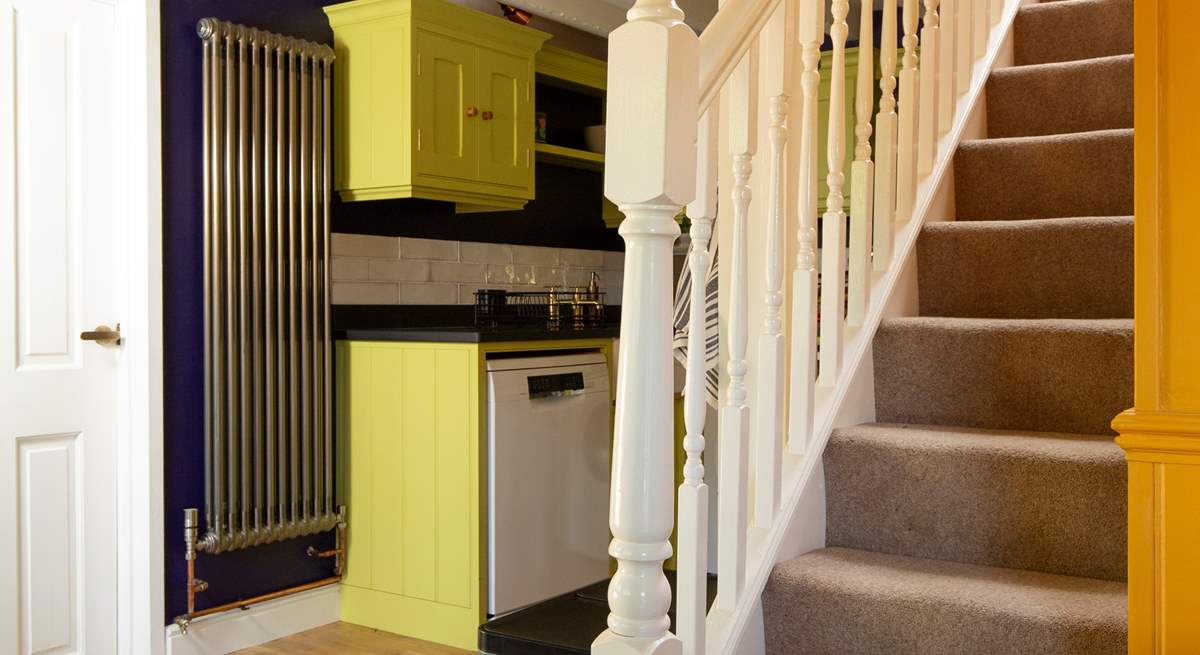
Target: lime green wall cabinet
column 435, row 101
column 412, row 446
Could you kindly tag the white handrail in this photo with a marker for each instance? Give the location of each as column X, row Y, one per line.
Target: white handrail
column 726, row 40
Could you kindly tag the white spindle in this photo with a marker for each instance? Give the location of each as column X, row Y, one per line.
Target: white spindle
column 771, row 352
column 962, row 50
column 885, row 140
column 810, row 29
column 652, row 115
column 981, row 28
column 833, row 250
column 948, row 31
column 862, row 174
column 691, row 606
column 743, row 138
column 997, row 10
column 906, row 153
column 927, row 121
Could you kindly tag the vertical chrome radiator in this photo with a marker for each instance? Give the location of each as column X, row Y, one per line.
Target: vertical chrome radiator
column 268, row 449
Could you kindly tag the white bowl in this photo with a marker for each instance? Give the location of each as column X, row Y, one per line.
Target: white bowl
column 593, row 136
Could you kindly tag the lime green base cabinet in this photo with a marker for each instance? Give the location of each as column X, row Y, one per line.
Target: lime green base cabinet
column 432, row 100
column 412, row 446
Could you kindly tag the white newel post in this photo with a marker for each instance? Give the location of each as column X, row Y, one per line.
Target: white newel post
column 691, row 606
column 735, row 414
column 803, row 370
column 771, row 382
column 862, row 174
column 650, row 174
column 885, row 140
column 906, row 153
column 833, row 248
column 927, row 126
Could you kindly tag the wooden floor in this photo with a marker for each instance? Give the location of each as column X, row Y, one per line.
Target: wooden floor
column 346, row 638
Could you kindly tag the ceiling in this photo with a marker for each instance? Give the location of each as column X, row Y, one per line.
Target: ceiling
column 602, row 16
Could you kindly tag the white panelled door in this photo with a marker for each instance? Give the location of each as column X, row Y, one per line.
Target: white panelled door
column 60, row 162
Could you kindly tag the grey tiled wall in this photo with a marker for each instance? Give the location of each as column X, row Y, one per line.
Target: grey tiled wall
column 398, row 270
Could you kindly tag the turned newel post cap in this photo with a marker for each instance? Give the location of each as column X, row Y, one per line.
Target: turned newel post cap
column 653, row 98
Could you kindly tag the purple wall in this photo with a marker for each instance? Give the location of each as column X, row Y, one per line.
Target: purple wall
column 245, row 573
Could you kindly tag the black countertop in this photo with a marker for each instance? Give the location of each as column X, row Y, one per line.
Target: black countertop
column 449, row 324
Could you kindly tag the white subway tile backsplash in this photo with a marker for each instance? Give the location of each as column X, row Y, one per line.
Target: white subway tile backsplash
column 486, row 253
column 350, row 268
column 417, row 293
column 387, row 270
column 535, row 255
column 364, row 245
column 457, row 272
column 365, row 293
column 574, row 257
column 429, row 249
column 399, row 270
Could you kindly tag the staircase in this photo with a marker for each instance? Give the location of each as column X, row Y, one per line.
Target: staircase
column 985, row 511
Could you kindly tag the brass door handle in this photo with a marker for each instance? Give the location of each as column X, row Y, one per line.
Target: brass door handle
column 487, row 115
column 103, row 335
column 471, row 111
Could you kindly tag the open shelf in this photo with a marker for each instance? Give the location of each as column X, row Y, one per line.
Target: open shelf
column 573, row 157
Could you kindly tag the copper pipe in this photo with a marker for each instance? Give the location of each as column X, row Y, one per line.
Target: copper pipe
column 183, row 620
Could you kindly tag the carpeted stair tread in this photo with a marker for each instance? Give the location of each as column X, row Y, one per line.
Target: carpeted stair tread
column 1039, row 501
column 1058, row 98
column 852, row 602
column 1072, row 29
column 1048, row 375
column 1079, row 174
column 1040, row 268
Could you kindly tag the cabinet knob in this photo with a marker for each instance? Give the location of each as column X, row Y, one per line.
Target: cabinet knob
column 471, row 111
column 487, row 115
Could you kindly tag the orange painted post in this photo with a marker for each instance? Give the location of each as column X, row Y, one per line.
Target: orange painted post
column 1161, row 434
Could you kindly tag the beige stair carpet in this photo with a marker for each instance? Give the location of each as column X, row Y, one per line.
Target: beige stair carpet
column 985, row 512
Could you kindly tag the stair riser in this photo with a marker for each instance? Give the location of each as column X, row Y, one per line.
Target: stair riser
column 1062, row 268
column 1088, row 174
column 1070, row 30
column 961, row 500
column 1096, row 94
column 1014, row 377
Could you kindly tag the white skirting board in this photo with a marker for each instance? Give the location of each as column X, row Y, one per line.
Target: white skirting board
column 237, row 629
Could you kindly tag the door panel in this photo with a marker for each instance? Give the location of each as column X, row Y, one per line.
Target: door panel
column 505, row 138
column 59, row 166
column 445, row 88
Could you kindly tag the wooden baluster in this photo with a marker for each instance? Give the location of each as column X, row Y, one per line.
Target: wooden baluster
column 997, row 10
column 982, row 26
column 833, row 250
column 652, row 113
column 810, row 27
column 962, row 50
column 692, row 561
column 771, row 352
column 885, row 141
column 735, row 415
column 948, row 31
column 862, row 174
column 906, row 153
column 927, row 121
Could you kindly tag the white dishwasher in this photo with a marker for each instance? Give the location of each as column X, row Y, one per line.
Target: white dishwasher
column 548, row 473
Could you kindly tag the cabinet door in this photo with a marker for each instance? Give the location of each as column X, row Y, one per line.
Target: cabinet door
column 506, row 119
column 445, row 137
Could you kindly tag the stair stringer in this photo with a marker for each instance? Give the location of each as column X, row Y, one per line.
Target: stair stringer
column 801, row 524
